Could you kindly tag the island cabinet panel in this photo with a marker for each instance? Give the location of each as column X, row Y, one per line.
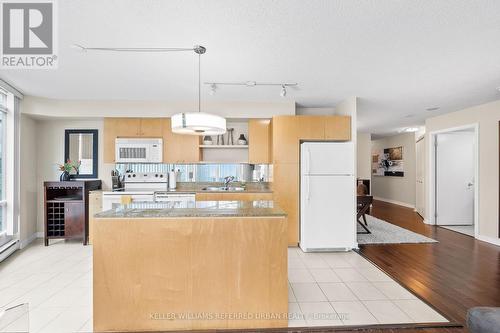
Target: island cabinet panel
column 253, row 196
column 287, row 133
column 179, row 148
column 161, row 274
column 259, row 144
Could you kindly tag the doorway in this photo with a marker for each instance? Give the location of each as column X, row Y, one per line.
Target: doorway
column 420, row 177
column 455, row 178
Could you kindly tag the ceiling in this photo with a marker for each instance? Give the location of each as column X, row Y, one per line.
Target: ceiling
column 398, row 57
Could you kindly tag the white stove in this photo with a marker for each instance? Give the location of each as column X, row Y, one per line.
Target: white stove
column 140, row 187
column 147, row 181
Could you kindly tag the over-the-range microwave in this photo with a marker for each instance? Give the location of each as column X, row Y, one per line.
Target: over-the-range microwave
column 138, row 150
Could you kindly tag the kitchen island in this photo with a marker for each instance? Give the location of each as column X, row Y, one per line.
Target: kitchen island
column 190, row 265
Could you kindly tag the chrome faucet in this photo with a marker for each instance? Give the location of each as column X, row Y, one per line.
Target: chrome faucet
column 227, row 180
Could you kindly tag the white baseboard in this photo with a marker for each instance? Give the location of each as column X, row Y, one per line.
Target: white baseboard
column 28, row 240
column 400, row 203
column 491, row 240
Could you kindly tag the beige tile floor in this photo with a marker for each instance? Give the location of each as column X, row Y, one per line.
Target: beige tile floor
column 334, row 289
column 329, row 289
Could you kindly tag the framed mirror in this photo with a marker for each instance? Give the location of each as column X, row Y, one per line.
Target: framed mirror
column 81, row 145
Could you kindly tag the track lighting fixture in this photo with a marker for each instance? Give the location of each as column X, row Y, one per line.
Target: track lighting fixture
column 283, row 92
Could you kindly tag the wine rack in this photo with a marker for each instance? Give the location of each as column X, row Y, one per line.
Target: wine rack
column 55, row 219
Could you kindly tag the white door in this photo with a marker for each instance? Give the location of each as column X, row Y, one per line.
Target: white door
column 327, row 213
column 455, row 178
column 327, row 158
column 420, row 174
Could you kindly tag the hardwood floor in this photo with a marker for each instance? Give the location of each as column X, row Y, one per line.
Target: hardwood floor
column 453, row 275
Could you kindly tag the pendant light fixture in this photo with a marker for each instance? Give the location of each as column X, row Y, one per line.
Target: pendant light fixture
column 192, row 123
column 198, row 123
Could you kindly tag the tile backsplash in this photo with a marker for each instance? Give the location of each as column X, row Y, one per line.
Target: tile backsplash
column 209, row 172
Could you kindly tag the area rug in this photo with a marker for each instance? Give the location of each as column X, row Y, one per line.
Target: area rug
column 383, row 232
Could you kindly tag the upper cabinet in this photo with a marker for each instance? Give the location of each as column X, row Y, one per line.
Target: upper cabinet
column 287, row 132
column 285, row 136
column 259, row 144
column 338, row 128
column 176, row 148
column 151, row 127
column 179, row 148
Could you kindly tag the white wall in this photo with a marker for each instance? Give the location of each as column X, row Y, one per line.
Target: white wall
column 487, row 116
column 50, row 150
column 28, row 179
column 364, row 152
column 399, row 190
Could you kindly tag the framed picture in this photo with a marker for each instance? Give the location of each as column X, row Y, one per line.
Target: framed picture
column 388, row 162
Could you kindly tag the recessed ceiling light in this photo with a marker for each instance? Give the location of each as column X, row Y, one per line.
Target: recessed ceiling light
column 432, row 108
column 411, row 129
column 409, row 116
column 498, row 88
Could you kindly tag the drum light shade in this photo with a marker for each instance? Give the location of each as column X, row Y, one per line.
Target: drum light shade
column 198, row 123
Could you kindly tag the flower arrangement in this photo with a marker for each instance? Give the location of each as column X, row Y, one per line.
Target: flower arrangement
column 66, row 167
column 69, row 165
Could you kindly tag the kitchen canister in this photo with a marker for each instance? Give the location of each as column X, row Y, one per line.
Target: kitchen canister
column 172, row 180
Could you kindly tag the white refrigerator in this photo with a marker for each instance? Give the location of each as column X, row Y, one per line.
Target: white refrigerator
column 327, row 196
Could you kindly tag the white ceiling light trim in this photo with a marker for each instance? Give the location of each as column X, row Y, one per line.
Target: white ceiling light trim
column 198, row 123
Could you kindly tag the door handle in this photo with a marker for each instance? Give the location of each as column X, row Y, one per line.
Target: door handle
column 308, row 161
column 308, row 189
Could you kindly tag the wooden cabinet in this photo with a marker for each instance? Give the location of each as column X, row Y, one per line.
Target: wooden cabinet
column 285, row 138
column 310, row 127
column 95, row 206
column 74, row 219
column 286, row 195
column 218, row 196
column 179, row 148
column 287, row 132
column 151, row 127
column 259, row 144
column 66, row 209
column 338, row 128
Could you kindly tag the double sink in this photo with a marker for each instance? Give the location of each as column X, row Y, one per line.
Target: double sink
column 223, row 188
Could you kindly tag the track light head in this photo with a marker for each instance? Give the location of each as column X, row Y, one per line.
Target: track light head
column 213, row 89
column 283, row 90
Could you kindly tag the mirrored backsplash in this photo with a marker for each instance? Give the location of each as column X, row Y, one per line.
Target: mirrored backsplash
column 205, row 172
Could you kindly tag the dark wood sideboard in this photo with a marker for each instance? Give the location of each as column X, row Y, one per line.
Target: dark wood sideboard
column 67, row 209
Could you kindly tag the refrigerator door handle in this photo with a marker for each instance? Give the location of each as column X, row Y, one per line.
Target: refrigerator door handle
column 308, row 189
column 308, row 161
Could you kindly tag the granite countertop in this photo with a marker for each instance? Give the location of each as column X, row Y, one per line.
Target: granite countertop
column 194, row 209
